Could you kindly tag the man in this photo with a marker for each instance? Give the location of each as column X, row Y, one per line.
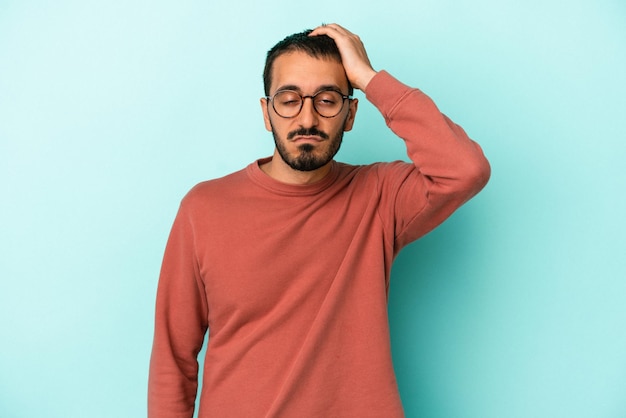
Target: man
column 287, row 261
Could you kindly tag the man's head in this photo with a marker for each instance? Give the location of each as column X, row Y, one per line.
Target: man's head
column 308, row 138
column 321, row 47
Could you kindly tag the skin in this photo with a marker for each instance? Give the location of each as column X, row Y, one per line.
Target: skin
column 308, row 75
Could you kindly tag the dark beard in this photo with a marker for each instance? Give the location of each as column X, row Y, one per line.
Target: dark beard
column 306, row 160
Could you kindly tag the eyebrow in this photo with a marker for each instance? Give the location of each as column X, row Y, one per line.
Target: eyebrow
column 325, row 87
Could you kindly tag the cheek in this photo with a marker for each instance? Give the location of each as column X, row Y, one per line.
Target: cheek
column 277, row 127
column 344, row 125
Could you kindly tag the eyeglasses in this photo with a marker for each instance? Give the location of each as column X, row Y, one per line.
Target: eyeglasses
column 288, row 103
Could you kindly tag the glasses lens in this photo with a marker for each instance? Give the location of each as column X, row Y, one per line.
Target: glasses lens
column 287, row 103
column 328, row 103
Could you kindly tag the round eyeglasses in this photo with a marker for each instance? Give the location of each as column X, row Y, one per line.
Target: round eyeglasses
column 288, row 103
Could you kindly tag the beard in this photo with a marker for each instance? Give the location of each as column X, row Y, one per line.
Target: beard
column 308, row 157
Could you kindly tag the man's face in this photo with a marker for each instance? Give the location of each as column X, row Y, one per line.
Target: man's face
column 308, row 141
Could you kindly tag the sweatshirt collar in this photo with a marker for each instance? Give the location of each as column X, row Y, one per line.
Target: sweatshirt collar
column 260, row 178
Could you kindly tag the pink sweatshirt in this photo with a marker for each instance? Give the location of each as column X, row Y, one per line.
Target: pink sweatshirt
column 291, row 281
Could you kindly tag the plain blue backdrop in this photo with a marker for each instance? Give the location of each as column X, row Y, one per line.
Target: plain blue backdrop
column 110, row 111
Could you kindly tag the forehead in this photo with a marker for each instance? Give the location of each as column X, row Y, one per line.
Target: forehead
column 307, row 73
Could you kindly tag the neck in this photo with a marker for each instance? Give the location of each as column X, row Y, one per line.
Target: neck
column 277, row 169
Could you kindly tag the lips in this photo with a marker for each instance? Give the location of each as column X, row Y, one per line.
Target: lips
column 307, row 138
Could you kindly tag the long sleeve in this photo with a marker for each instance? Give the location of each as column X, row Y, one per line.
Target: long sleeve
column 448, row 167
column 180, row 326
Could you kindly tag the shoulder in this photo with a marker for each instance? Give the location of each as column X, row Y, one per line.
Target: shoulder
column 375, row 178
column 215, row 189
column 376, row 170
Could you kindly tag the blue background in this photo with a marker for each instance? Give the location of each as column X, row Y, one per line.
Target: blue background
column 110, row 111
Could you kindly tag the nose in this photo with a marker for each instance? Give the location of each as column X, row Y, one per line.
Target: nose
column 308, row 116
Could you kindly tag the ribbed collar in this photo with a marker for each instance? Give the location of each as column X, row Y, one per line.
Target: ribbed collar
column 260, row 178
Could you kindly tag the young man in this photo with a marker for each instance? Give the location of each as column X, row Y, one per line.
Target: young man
column 287, row 261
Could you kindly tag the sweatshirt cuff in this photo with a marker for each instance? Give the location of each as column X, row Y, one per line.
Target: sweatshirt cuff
column 385, row 91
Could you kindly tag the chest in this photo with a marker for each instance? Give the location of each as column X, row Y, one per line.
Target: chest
column 257, row 254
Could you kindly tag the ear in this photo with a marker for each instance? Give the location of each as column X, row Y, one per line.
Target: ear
column 352, row 108
column 266, row 116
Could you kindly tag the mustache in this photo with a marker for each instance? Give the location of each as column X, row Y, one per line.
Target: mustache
column 308, row 132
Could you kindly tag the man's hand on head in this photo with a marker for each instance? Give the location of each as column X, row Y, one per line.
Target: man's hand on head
column 353, row 54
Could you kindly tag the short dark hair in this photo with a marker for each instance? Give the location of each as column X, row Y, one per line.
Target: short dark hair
column 321, row 46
